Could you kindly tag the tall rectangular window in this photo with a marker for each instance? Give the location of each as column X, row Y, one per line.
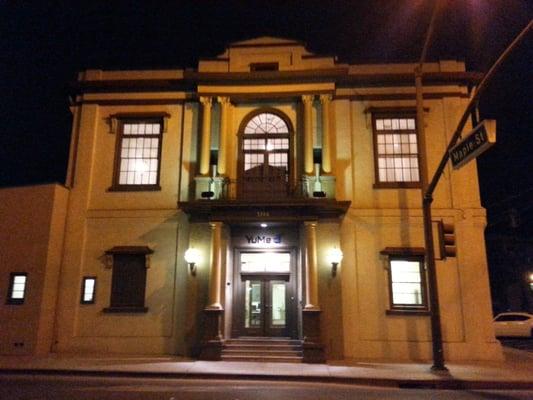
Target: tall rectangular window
column 17, row 288
column 396, row 150
column 138, row 155
column 88, row 290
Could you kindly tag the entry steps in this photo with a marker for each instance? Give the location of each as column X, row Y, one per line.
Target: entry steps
column 263, row 349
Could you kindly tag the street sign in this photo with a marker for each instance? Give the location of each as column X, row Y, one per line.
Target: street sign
column 476, row 142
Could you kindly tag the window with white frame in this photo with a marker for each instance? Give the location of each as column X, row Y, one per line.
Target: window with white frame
column 396, row 150
column 17, row 287
column 266, row 141
column 407, row 284
column 138, row 156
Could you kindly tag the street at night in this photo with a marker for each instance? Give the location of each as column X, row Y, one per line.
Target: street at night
column 85, row 388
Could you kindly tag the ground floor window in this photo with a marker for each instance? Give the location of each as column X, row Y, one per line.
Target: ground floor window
column 128, row 284
column 88, row 290
column 406, row 280
column 17, row 288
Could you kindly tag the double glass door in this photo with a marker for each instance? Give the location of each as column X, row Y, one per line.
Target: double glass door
column 264, row 297
column 265, row 306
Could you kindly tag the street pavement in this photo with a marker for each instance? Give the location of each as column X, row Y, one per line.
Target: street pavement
column 24, row 387
column 109, row 376
column 525, row 344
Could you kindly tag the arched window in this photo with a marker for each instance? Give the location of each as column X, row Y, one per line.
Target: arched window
column 266, row 149
column 266, row 141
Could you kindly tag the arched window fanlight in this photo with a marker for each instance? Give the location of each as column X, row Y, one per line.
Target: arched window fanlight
column 266, row 123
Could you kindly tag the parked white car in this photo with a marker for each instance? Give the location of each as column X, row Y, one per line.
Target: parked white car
column 513, row 324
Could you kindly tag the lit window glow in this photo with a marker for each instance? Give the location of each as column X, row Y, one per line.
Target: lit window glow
column 139, row 154
column 397, row 150
column 266, row 141
column 406, row 283
column 89, row 286
column 19, row 287
column 265, row 262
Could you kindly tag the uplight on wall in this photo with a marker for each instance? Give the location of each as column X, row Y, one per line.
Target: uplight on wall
column 334, row 257
column 192, row 257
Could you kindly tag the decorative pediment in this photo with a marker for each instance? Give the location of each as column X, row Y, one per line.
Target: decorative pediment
column 263, row 41
column 279, row 54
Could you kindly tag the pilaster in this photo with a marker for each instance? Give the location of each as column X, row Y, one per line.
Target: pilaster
column 308, row 133
column 205, row 150
column 325, row 100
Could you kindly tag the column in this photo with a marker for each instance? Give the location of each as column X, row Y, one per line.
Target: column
column 223, row 136
column 325, row 100
column 205, row 151
column 212, row 338
column 313, row 350
column 308, row 133
column 216, row 267
column 311, row 272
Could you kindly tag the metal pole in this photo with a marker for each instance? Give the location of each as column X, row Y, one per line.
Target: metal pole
column 436, row 330
column 473, row 101
column 427, row 189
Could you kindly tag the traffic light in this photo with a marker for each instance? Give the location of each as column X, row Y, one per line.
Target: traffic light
column 447, row 240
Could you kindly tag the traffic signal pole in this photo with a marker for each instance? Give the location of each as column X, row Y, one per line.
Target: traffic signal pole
column 428, row 188
column 434, row 307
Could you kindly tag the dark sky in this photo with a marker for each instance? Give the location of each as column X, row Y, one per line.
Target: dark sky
column 44, row 43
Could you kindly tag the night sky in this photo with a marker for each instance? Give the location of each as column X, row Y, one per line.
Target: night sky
column 44, row 43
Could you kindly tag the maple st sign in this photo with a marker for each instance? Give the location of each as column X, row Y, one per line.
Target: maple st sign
column 476, row 142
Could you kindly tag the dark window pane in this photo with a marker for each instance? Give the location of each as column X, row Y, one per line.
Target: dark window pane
column 129, row 280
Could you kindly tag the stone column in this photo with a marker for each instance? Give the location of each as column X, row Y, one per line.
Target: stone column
column 205, row 151
column 308, row 133
column 212, row 341
column 311, row 272
column 222, row 146
column 216, row 267
column 325, row 100
column 313, row 350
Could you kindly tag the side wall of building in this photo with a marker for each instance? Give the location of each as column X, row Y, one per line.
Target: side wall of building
column 100, row 219
column 33, row 220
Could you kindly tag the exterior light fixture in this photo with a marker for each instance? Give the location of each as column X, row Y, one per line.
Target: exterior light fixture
column 192, row 257
column 263, row 225
column 334, row 257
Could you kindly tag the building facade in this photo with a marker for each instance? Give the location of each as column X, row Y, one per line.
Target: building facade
column 261, row 168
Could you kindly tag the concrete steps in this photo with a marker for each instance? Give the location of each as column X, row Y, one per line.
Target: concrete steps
column 263, row 349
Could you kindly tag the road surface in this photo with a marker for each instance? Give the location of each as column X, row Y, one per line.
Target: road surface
column 42, row 387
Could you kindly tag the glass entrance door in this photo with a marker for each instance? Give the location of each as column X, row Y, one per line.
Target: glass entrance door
column 265, row 302
column 265, row 307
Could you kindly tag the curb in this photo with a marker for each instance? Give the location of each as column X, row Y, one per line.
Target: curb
column 404, row 383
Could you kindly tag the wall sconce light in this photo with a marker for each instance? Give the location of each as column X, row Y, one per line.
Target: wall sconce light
column 192, row 257
column 334, row 257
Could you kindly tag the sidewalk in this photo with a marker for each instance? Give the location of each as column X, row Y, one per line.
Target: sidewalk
column 516, row 372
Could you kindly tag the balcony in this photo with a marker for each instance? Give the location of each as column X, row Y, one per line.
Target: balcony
column 264, row 188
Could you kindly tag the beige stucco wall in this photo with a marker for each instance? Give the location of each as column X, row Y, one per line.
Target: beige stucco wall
column 99, row 219
column 380, row 218
column 354, row 302
column 33, row 219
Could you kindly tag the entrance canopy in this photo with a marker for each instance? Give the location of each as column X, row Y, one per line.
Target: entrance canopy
column 241, row 211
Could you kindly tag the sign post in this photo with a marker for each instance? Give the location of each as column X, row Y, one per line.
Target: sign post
column 482, row 137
